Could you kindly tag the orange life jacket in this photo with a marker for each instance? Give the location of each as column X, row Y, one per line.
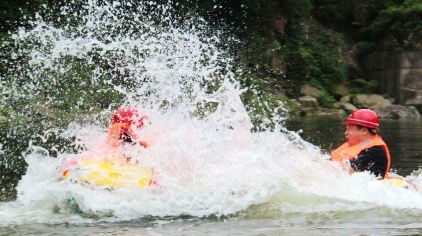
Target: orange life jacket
column 346, row 152
column 115, row 132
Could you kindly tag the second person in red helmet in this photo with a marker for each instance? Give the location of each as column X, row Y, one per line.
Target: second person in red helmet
column 364, row 149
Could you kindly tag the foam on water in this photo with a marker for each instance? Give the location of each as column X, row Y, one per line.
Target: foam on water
column 206, row 158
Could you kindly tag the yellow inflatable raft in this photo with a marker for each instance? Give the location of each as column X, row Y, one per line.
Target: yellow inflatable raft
column 108, row 174
column 399, row 181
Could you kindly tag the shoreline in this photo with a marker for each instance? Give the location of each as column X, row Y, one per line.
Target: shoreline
column 310, row 104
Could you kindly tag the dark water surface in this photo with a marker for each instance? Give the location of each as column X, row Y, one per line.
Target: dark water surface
column 404, row 138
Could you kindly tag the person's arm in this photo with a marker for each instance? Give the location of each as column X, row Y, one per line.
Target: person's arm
column 373, row 159
column 144, row 144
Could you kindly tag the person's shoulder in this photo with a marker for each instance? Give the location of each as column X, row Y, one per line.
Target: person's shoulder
column 374, row 151
column 376, row 148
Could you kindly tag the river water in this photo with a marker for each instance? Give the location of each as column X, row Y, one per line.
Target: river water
column 215, row 176
column 287, row 211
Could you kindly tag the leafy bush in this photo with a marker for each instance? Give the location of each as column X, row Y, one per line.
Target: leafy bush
column 364, row 86
column 311, row 61
column 388, row 24
column 398, row 26
column 326, row 100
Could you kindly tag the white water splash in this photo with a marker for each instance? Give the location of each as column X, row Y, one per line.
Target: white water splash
column 207, row 159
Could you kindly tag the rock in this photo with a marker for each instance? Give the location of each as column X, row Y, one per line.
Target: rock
column 3, row 118
column 341, row 90
column 279, row 24
column 277, row 27
column 297, row 108
column 399, row 112
column 277, row 66
column 308, row 101
column 294, row 103
column 337, row 105
column 330, row 112
column 341, row 113
column 413, row 97
column 374, row 101
column 349, row 107
column 44, row 110
column 308, row 90
column 398, row 74
column 345, row 99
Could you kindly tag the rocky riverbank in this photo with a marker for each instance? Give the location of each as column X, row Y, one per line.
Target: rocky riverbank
column 308, row 104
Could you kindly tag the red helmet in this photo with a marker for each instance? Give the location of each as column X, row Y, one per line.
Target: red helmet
column 364, row 117
column 128, row 116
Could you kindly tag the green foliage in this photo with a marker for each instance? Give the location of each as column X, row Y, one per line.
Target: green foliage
column 388, row 24
column 259, row 54
column 365, row 47
column 398, row 25
column 364, row 86
column 296, row 9
column 326, row 100
column 14, row 12
column 314, row 58
column 306, row 52
column 75, row 90
column 264, row 10
column 15, row 135
column 265, row 109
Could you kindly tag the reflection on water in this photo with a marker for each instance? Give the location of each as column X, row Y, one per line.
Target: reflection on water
column 404, row 138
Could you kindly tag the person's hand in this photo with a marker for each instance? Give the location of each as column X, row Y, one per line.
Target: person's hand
column 144, row 144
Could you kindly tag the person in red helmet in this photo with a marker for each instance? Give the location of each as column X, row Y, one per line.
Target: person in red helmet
column 364, row 149
column 124, row 127
column 106, row 164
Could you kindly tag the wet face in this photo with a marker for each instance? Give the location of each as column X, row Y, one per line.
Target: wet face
column 355, row 134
